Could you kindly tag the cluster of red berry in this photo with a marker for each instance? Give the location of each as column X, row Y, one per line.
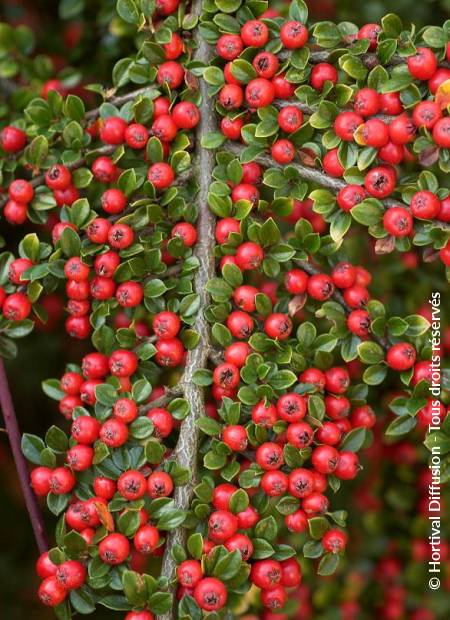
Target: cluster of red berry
column 378, row 120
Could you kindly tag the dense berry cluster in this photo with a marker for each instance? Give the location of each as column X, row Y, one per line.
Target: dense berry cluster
column 234, row 339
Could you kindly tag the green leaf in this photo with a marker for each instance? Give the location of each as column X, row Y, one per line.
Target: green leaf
column 328, row 564
column 195, row 545
column 374, row 375
column 354, row 440
column 242, row 70
column 128, row 11
column 32, row 447
column 318, row 526
column 435, row 37
column 267, row 529
column 56, row 439
column 239, row 501
column 82, row 601
column 401, row 425
column 202, row 377
column 209, row 426
column 228, row 566
column 370, row 352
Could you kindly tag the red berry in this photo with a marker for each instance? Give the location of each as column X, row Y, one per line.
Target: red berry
column 259, row 93
column 282, row 151
column 401, row 356
column 189, row 573
column 299, row 434
column 51, row 593
column 367, row 102
column 249, row 255
column 402, row 130
column 237, row 353
column 174, row 47
column 12, row 139
column 426, row 114
column 278, row 326
column 346, row 124
column 380, row 182
column 350, row 196
column 398, row 222
column 114, row 433
column 235, row 437
column 113, row 130
column 169, row 352
column 320, row 287
column 321, row 73
column 221, row 526
column 375, row 133
column 16, row 307
column 123, row 363
column 186, row 115
column 370, row 32
column 291, row 573
column 265, row 64
column 301, row 482
column 44, row 566
column 293, row 34
column 58, row 177
column 425, row 205
column 62, row 481
column 334, row 541
column 114, row 549
column 347, row 467
column 229, row 46
column 358, row 322
column 161, row 175
column 131, row 485
column 104, row 170
column 210, row 594
column 291, row 407
column 146, row 539
column 423, row 64
column 231, row 96
column 264, row 414
column 171, row 73
column 71, row 575
column 266, row 574
column 225, row 227
column 441, row 132
column 332, row 165
column 40, row 480
column 325, row 459
column 159, row 484
column 21, row 191
column 274, row 598
column 269, row 456
column 120, row 236
column 136, row 136
column 254, row 33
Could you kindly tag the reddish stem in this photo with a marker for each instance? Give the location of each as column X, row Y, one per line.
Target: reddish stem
column 12, row 428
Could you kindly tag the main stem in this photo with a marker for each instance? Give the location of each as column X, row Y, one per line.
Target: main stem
column 12, row 428
column 187, row 449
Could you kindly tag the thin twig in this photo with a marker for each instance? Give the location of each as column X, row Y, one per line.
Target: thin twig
column 12, row 428
column 78, row 163
column 161, row 401
column 313, row 175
